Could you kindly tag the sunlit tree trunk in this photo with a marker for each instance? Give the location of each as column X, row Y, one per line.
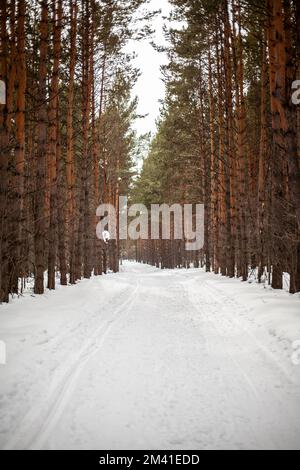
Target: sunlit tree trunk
column 4, row 152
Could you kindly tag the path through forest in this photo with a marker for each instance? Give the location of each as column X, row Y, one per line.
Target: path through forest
column 149, row 359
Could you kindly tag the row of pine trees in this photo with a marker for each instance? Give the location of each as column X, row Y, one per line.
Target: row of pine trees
column 66, row 142
column 229, row 137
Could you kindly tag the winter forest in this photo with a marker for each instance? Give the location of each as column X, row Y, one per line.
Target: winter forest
column 228, row 137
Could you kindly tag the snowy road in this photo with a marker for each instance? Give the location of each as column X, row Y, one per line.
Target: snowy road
column 151, row 359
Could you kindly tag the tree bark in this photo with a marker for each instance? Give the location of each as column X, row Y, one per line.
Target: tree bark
column 53, row 137
column 4, row 152
column 41, row 155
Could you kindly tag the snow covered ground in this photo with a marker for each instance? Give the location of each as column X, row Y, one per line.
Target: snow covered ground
column 150, row 359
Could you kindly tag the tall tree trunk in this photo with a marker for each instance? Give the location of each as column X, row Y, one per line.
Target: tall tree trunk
column 263, row 149
column 214, row 167
column 62, row 209
column 72, row 223
column 41, row 155
column 20, row 135
column 88, row 218
column 231, row 162
column 221, row 156
column 4, row 152
column 241, row 145
column 83, row 237
column 53, row 133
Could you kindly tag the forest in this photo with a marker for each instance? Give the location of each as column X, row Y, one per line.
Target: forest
column 149, row 228
column 65, row 140
column 228, row 136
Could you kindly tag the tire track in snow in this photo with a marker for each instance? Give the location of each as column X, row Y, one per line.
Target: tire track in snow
column 35, row 427
column 263, row 350
column 240, row 371
column 58, row 348
column 234, row 320
column 219, row 320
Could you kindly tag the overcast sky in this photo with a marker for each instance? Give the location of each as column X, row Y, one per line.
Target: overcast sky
column 150, row 88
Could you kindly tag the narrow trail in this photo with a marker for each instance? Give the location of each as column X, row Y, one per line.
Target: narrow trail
column 168, row 362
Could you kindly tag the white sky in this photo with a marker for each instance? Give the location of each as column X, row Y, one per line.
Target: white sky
column 150, row 88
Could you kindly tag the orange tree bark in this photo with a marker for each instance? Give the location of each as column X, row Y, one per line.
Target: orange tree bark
column 4, row 139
